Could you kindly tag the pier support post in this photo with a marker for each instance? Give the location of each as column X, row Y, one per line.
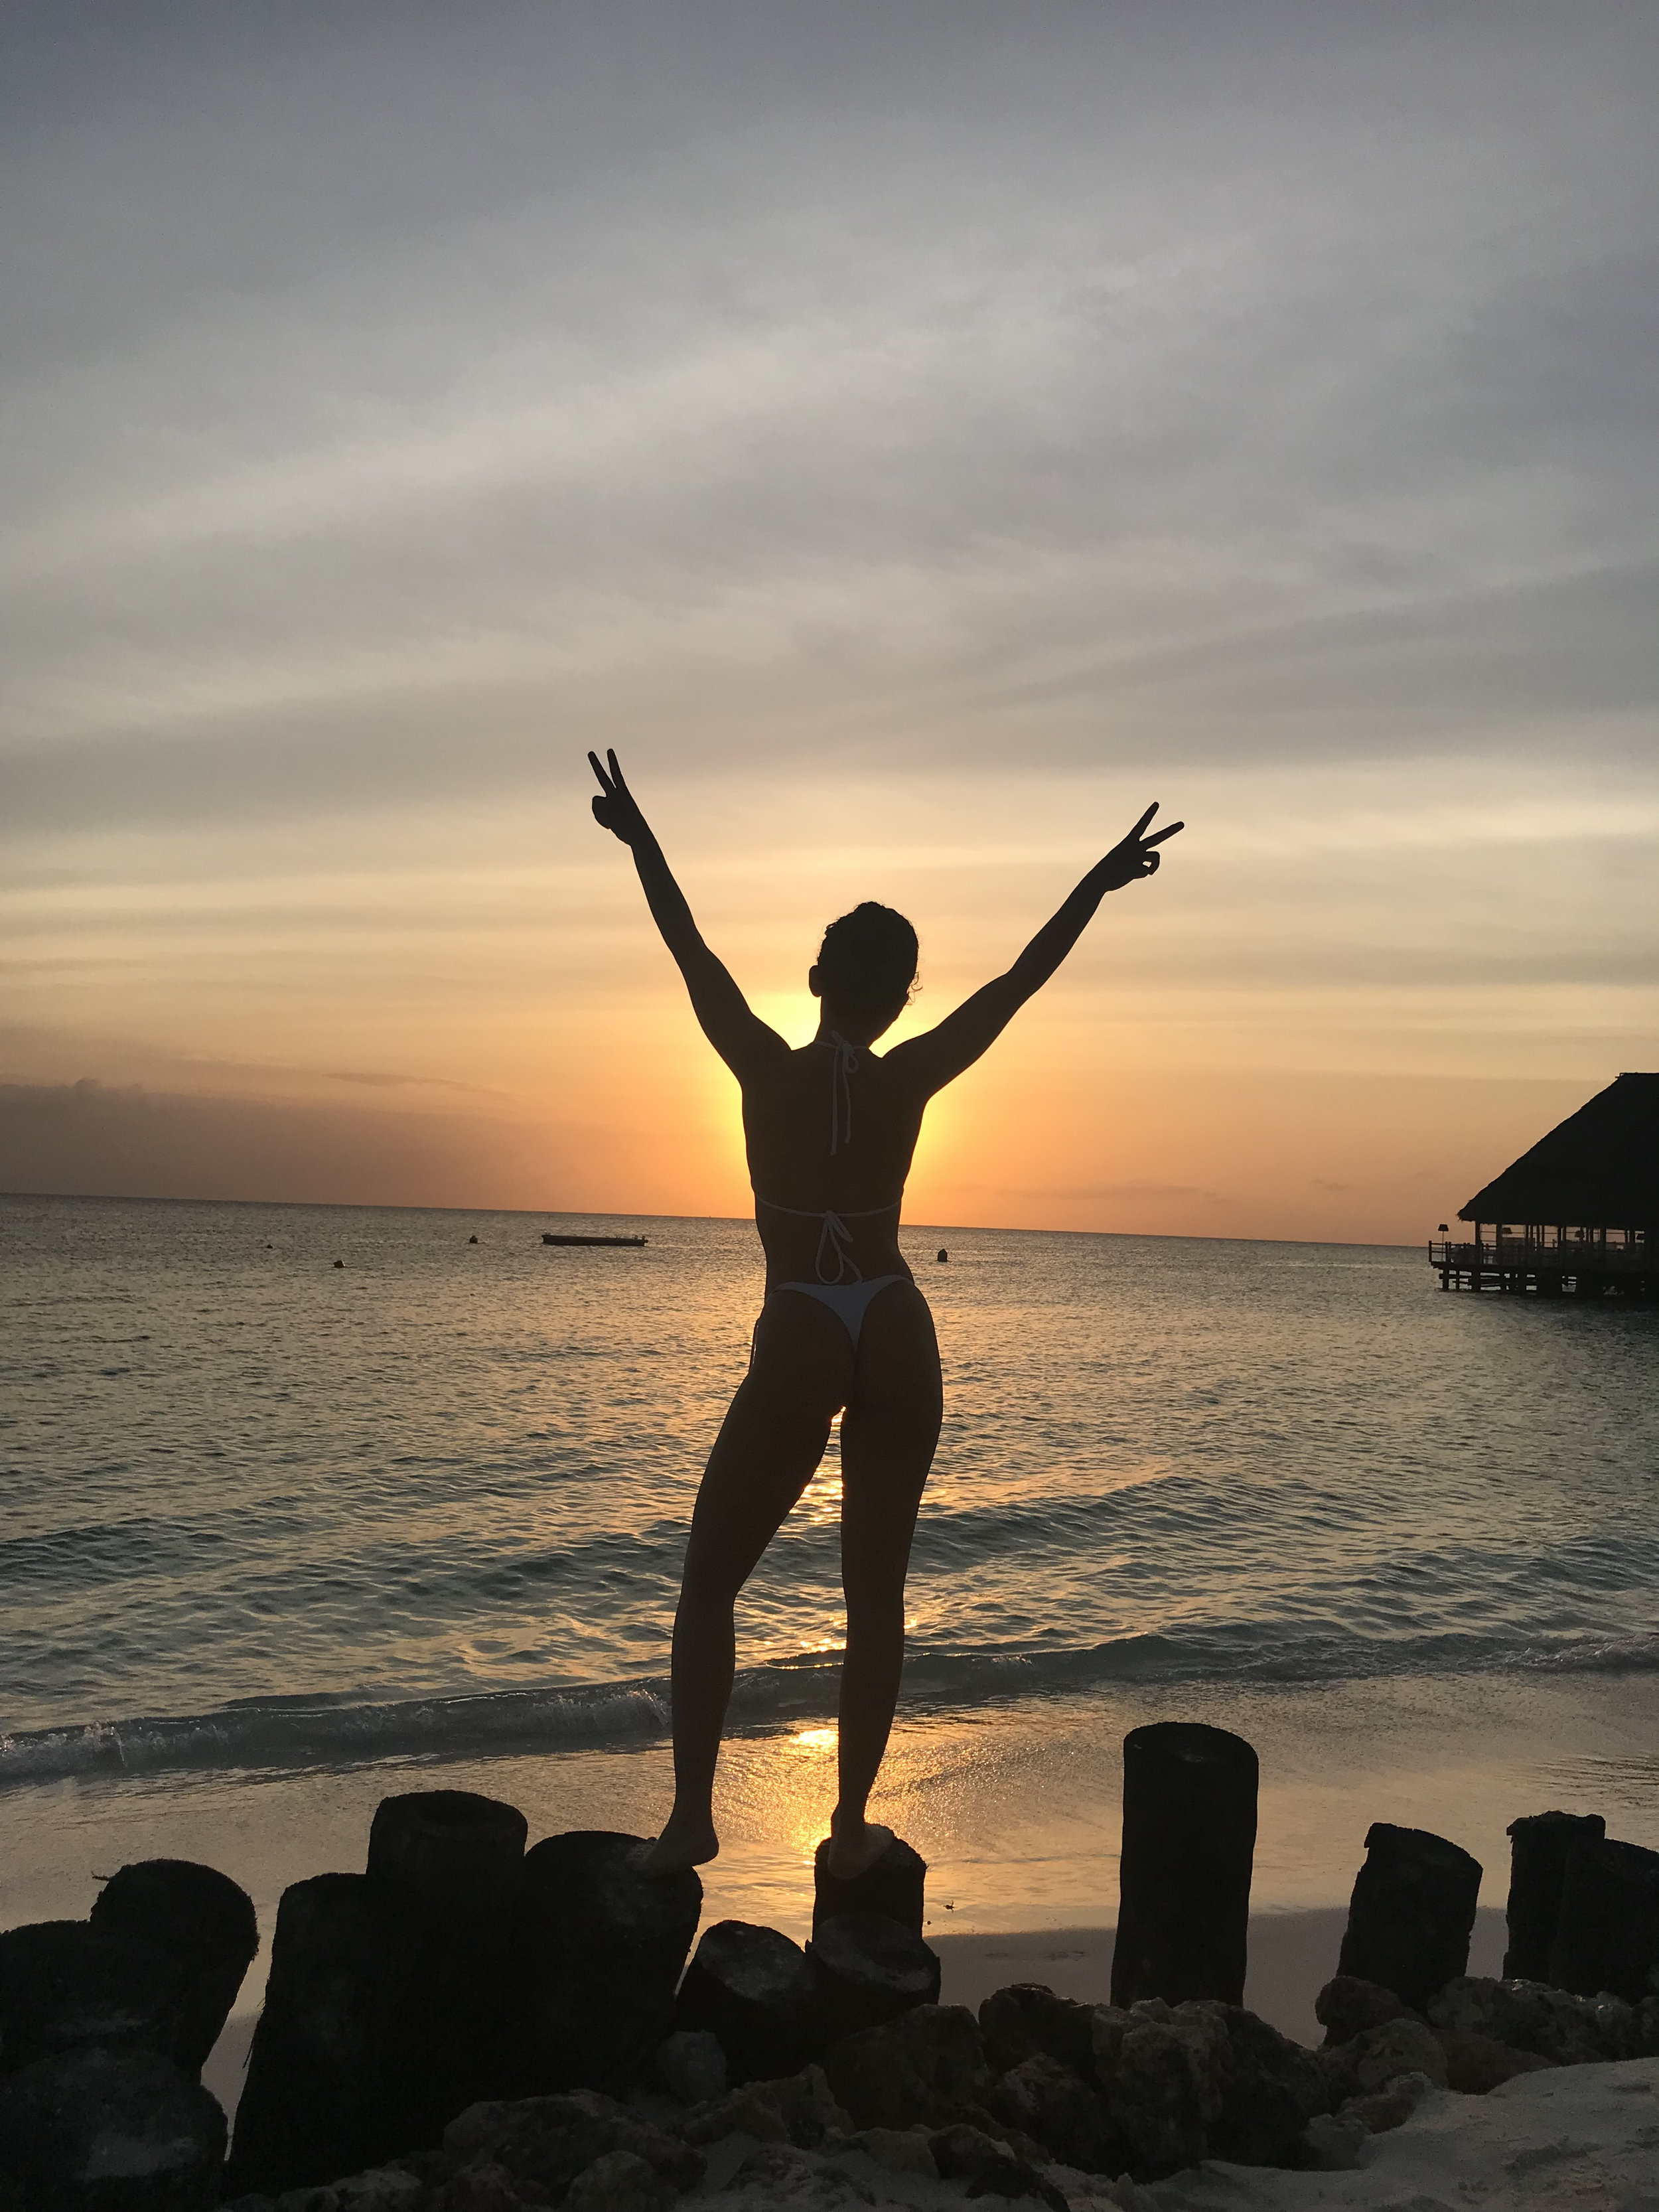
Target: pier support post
column 1607, row 1934
column 200, row 1919
column 98, row 2128
column 602, row 1949
column 866, row 1970
column 1539, row 1846
column 64, row 1984
column 894, row 1887
column 1412, row 1912
column 325, row 2093
column 457, row 1859
column 1190, row 1807
column 752, row 1988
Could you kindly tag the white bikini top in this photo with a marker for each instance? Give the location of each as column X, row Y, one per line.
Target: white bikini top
column 835, row 1236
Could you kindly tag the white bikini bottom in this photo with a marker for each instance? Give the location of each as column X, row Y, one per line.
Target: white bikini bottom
column 849, row 1302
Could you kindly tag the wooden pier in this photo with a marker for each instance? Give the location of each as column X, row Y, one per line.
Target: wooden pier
column 1578, row 1217
column 1570, row 1268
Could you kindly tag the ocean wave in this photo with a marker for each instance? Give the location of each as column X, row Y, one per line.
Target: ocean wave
column 300, row 1732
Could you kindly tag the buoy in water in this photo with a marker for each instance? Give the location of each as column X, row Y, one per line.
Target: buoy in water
column 471, row 1240
column 943, row 1256
column 339, row 1263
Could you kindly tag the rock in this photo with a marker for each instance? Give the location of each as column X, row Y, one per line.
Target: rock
column 799, row 2109
column 809, row 2107
column 1606, row 1935
column 604, row 1945
column 1539, row 1848
column 1166, row 2087
column 866, row 1970
column 1027, row 2017
column 1478, row 2064
column 544, row 2142
column 745, row 2112
column 1107, row 2025
column 1053, row 2103
column 925, row 2065
column 1271, row 2088
column 752, row 1988
column 1388, row 2107
column 1371, row 2059
column 1332, row 2145
column 892, row 1888
column 1412, row 1912
column 120, row 2130
column 1348, row 2003
column 1565, row 2029
column 382, row 2188
column 900, row 2150
column 484, row 2186
column 64, row 1985
column 989, row 2168
column 691, row 2066
column 202, row 1921
column 620, row 2182
column 1189, row 1813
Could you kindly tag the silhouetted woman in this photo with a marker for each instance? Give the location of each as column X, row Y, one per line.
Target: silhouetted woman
column 830, row 1130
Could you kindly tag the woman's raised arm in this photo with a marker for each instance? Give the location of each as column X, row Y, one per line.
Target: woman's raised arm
column 743, row 1041
column 940, row 1055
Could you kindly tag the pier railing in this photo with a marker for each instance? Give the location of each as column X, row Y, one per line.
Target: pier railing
column 1579, row 1266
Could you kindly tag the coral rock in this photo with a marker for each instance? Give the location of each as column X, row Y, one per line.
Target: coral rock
column 1476, row 2063
column 925, row 2065
column 1348, row 2004
column 1053, row 2103
column 1390, row 2107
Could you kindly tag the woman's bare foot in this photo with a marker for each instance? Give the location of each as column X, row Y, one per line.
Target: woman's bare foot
column 682, row 1843
column 854, row 1846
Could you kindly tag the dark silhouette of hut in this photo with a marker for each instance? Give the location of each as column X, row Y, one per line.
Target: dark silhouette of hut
column 1578, row 1214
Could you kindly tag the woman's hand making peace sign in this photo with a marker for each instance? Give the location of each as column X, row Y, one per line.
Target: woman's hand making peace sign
column 1129, row 860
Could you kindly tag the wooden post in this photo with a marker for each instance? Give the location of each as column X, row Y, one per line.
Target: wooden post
column 893, row 1887
column 866, row 1969
column 752, row 1989
column 1539, row 1848
column 1607, row 1934
column 92, row 2130
column 1189, row 1804
column 457, row 1859
column 64, row 1984
column 602, row 1946
column 326, row 2092
column 1412, row 1912
column 205, row 1922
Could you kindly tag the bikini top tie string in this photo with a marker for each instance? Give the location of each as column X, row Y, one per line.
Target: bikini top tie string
column 842, row 1071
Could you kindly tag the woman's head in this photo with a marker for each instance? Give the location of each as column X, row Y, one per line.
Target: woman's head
column 867, row 965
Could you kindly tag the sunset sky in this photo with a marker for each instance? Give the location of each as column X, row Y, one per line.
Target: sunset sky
column 917, row 436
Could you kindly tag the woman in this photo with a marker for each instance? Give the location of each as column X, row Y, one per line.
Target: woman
column 830, row 1130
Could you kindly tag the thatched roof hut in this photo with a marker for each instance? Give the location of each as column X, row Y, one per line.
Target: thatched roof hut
column 1599, row 1170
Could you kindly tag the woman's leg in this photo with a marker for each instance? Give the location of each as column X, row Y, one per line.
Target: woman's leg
column 769, row 1444
column 888, row 1436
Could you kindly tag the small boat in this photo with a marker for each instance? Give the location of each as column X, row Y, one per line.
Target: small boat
column 548, row 1237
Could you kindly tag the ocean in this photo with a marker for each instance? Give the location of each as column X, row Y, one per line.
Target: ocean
column 279, row 1535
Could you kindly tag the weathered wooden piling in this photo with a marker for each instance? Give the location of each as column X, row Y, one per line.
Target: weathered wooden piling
column 894, row 1887
column 601, row 1946
column 95, row 2129
column 200, row 1919
column 326, row 2094
column 64, row 1985
column 1189, row 1806
column 457, row 1858
column 866, row 1969
column 1412, row 1912
column 752, row 1988
column 1539, row 1846
column 1607, row 1934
